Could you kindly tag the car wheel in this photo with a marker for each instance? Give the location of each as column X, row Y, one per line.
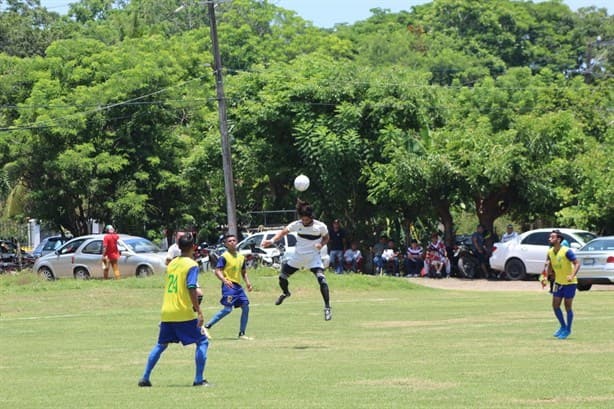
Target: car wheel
column 46, row 273
column 143, row 271
column 584, row 286
column 515, row 270
column 82, row 274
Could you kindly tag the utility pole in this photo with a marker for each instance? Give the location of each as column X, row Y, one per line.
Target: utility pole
column 229, row 188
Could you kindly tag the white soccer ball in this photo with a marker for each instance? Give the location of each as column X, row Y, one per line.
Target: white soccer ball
column 301, row 183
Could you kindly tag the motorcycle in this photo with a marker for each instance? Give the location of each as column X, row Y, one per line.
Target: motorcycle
column 466, row 261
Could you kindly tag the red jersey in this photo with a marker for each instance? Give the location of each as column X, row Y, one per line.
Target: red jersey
column 109, row 242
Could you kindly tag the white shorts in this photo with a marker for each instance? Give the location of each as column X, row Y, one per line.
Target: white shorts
column 308, row 261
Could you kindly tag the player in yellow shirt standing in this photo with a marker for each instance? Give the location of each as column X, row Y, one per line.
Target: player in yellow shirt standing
column 230, row 268
column 563, row 266
column 182, row 318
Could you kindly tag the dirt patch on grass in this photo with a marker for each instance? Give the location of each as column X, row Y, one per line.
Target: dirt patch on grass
column 489, row 285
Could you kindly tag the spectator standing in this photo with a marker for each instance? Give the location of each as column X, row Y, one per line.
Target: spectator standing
column 377, row 250
column 480, row 250
column 229, row 270
column 110, row 253
column 509, row 234
column 312, row 235
column 353, row 257
column 174, row 250
column 414, row 259
column 564, row 266
column 179, row 306
column 337, row 246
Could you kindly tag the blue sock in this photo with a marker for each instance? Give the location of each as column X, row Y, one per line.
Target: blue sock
column 154, row 356
column 569, row 319
column 201, row 359
column 244, row 318
column 559, row 315
column 220, row 314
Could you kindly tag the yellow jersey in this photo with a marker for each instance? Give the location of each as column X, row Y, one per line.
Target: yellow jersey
column 181, row 275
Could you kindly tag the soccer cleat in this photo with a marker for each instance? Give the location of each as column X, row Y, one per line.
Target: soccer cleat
column 201, row 383
column 282, row 298
column 564, row 334
column 328, row 314
column 144, row 383
column 244, row 337
column 558, row 332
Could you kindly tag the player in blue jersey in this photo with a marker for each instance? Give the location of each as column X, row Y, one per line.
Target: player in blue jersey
column 229, row 270
column 312, row 235
column 182, row 318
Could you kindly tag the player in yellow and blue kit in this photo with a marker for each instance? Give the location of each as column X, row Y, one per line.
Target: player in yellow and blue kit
column 564, row 266
column 230, row 268
column 179, row 307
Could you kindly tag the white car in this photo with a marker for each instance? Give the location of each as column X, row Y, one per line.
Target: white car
column 596, row 263
column 253, row 242
column 526, row 254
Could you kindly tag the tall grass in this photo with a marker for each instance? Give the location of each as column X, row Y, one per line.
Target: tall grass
column 391, row 344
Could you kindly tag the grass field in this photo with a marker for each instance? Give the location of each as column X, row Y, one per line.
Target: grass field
column 391, row 344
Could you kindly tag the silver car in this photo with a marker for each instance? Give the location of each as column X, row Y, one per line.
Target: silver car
column 81, row 258
column 596, row 263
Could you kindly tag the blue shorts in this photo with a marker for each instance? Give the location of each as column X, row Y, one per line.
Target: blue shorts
column 233, row 297
column 564, row 291
column 185, row 332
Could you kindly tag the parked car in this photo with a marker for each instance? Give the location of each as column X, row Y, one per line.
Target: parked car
column 81, row 257
column 246, row 246
column 596, row 263
column 49, row 245
column 526, row 254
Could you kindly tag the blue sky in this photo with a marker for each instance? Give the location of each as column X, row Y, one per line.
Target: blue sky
column 327, row 13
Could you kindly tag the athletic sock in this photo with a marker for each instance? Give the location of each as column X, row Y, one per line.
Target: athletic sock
column 569, row 319
column 152, row 360
column 201, row 359
column 559, row 315
column 283, row 284
column 244, row 318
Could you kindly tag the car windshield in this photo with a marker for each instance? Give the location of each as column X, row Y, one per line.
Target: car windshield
column 585, row 236
column 141, row 245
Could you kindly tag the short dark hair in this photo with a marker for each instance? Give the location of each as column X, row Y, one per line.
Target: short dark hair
column 226, row 237
column 186, row 241
column 304, row 208
column 558, row 234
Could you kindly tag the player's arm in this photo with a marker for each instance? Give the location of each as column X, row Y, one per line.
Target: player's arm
column 576, row 264
column 323, row 241
column 248, row 284
column 192, row 283
column 278, row 236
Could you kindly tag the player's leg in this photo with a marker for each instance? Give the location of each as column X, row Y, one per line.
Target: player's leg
column 218, row 316
column 286, row 271
column 115, row 267
column 244, row 320
column 556, row 307
column 200, row 358
column 570, row 292
column 319, row 273
column 152, row 360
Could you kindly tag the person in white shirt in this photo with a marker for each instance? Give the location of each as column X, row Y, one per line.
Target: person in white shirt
column 509, row 234
column 353, row 257
column 312, row 235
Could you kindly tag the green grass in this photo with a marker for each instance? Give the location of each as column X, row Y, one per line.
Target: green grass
column 391, row 344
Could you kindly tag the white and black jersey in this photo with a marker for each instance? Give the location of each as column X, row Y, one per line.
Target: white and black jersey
column 308, row 236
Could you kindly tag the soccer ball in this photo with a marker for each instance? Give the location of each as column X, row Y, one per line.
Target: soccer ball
column 301, row 183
